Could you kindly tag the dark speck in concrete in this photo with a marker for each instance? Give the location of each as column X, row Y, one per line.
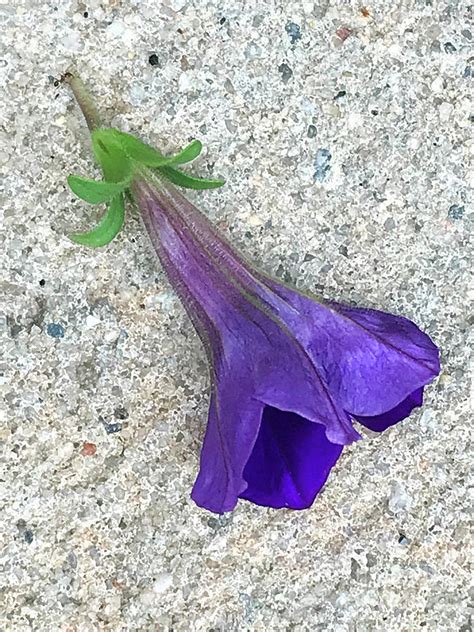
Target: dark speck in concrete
column 285, row 71
column 28, row 535
column 220, row 522
column 294, row 31
column 322, row 165
column 456, row 212
column 468, row 72
column 121, row 413
column 15, row 329
column 311, row 131
column 340, row 95
column 111, row 427
column 55, row 330
column 449, row 48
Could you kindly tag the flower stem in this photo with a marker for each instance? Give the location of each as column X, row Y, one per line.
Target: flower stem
column 84, row 99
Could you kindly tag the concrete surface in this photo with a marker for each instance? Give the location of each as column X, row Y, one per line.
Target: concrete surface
column 344, row 133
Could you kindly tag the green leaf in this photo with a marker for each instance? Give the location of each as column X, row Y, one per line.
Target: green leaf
column 189, row 182
column 108, row 227
column 190, row 152
column 113, row 160
column 95, row 191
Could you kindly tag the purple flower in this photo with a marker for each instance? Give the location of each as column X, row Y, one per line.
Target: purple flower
column 290, row 373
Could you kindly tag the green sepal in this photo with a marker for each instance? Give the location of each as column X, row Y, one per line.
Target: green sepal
column 190, row 152
column 113, row 160
column 96, row 191
column 140, row 151
column 148, row 155
column 109, row 226
column 189, row 182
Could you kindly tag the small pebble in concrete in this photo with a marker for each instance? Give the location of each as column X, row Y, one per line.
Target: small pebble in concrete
column 402, row 539
column 449, row 48
column 121, row 413
column 88, row 449
column 322, row 165
column 456, row 212
column 112, row 428
column 399, row 500
column 343, row 33
column 28, row 536
column 55, row 330
column 153, row 60
column 253, row 51
column 286, row 72
column 311, row 131
column 389, row 224
column 294, row 31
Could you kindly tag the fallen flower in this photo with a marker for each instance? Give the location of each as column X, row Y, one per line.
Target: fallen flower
column 289, row 372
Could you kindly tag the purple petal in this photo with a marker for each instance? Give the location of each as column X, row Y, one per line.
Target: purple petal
column 379, row 423
column 381, row 359
column 370, row 360
column 290, row 461
column 287, row 379
column 231, row 432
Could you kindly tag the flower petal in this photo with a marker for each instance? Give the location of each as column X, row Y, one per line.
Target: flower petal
column 232, row 429
column 289, row 381
column 380, row 359
column 290, row 461
column 379, row 423
column 370, row 360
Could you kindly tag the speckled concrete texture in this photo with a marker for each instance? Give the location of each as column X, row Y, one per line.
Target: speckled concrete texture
column 345, row 136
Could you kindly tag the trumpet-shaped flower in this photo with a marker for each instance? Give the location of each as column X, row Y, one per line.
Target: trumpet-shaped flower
column 290, row 373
